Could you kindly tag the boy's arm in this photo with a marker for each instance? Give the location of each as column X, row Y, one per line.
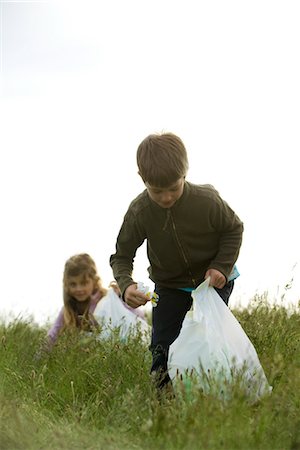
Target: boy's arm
column 129, row 240
column 231, row 230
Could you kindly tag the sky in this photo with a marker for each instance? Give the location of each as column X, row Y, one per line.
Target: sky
column 82, row 84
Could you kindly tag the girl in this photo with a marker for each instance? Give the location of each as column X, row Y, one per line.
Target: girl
column 82, row 291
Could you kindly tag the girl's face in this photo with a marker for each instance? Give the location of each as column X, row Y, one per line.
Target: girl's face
column 81, row 287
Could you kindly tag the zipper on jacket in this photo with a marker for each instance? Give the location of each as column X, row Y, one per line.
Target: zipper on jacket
column 167, row 219
column 180, row 246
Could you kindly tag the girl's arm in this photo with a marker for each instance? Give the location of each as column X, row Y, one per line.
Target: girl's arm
column 52, row 334
column 114, row 285
column 55, row 329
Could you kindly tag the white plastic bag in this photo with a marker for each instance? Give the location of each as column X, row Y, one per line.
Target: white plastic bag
column 111, row 313
column 213, row 346
column 153, row 296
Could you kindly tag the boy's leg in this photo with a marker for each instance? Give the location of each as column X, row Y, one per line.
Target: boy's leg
column 226, row 291
column 167, row 318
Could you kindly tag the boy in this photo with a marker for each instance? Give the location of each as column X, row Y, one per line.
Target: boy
column 191, row 234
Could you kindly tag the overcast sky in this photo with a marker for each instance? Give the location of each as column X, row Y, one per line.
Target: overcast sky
column 82, row 83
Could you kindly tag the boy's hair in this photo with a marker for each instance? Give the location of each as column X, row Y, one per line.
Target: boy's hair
column 162, row 159
column 79, row 265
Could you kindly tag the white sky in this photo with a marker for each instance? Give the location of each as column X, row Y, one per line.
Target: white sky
column 82, row 83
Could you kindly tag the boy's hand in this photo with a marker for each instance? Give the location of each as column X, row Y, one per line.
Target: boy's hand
column 135, row 298
column 217, row 279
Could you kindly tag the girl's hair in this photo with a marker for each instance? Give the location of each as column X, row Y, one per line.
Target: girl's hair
column 162, row 159
column 84, row 266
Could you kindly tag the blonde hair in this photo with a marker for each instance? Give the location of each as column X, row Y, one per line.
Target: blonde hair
column 81, row 264
column 162, row 159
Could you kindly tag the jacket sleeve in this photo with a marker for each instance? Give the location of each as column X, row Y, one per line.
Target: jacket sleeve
column 230, row 229
column 56, row 327
column 130, row 238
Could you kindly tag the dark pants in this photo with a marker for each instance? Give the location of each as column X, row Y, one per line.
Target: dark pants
column 167, row 318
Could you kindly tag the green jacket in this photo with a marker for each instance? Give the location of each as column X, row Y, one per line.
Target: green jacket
column 198, row 233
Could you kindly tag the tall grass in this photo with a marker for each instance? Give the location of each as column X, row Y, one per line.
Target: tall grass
column 95, row 394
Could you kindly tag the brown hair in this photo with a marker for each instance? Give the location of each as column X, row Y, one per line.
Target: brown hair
column 85, row 266
column 162, row 159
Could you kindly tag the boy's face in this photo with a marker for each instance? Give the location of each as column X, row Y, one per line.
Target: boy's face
column 80, row 288
column 166, row 197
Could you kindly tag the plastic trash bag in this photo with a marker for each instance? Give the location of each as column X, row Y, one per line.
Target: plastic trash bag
column 213, row 348
column 111, row 313
column 153, row 296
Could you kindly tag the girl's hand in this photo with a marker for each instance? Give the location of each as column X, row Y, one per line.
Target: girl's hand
column 115, row 287
column 217, row 279
column 135, row 298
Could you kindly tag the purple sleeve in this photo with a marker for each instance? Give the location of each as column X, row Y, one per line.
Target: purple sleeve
column 56, row 327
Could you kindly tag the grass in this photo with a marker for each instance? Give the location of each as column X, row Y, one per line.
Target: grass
column 97, row 394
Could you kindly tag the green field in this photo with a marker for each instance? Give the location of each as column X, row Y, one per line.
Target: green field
column 88, row 394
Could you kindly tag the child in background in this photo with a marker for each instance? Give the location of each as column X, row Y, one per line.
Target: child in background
column 191, row 234
column 82, row 291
